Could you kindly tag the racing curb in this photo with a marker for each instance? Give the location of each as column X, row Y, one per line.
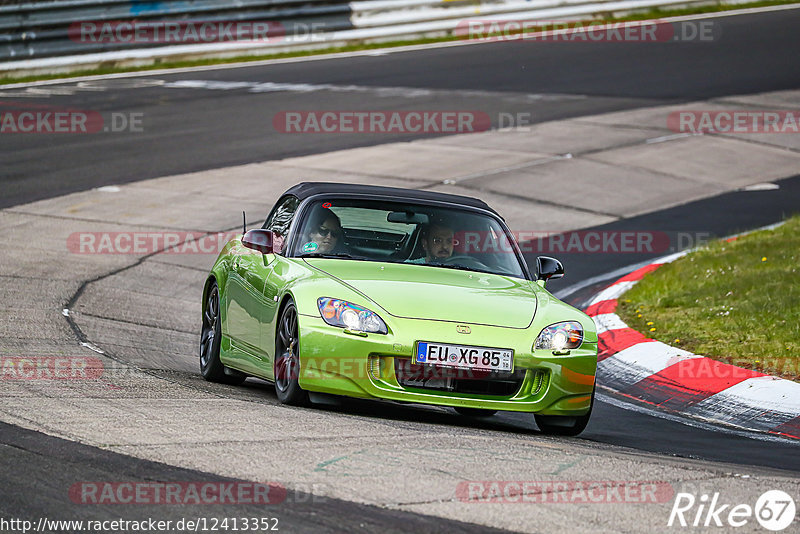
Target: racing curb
column 676, row 380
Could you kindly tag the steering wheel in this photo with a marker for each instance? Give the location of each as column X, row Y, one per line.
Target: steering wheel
column 466, row 261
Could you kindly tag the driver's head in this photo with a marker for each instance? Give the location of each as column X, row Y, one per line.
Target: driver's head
column 437, row 240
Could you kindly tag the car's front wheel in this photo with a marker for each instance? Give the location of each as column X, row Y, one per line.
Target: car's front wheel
column 287, row 359
column 564, row 425
column 211, row 367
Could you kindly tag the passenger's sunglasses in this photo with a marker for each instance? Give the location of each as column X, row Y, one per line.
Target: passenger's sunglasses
column 325, row 232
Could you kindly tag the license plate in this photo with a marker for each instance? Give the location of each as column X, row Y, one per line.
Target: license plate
column 464, row 356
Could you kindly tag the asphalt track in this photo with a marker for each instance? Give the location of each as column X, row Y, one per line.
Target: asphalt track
column 715, row 217
column 39, row 467
column 188, row 129
column 200, row 129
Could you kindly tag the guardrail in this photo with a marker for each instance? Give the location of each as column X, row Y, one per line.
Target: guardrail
column 53, row 28
column 46, row 37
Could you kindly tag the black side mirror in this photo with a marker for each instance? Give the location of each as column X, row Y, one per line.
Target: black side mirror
column 260, row 240
column 548, row 268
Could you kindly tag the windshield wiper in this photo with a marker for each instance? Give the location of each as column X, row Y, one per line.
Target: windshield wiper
column 459, row 267
column 332, row 255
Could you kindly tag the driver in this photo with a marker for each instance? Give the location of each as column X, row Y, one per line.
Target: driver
column 437, row 242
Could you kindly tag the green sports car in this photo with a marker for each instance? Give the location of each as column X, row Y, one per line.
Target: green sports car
column 397, row 294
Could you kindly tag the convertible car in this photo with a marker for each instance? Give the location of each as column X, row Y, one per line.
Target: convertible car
column 397, row 294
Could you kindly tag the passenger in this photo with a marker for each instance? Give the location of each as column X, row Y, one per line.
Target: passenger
column 323, row 235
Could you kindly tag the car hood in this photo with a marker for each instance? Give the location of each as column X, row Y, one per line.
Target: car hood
column 435, row 293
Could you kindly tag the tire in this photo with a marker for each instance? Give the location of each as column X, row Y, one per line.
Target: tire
column 474, row 412
column 211, row 367
column 564, row 425
column 286, row 364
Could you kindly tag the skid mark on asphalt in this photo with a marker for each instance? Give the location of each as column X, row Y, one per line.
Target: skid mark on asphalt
column 563, row 467
column 366, row 462
column 361, row 463
column 323, row 466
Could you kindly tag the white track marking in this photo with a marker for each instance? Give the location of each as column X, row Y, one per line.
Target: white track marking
column 642, row 360
column 92, row 347
column 763, row 186
column 695, row 423
column 763, row 393
column 608, row 321
column 613, row 292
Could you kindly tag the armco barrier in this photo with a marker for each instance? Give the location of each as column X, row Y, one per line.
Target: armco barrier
column 45, row 37
column 48, row 29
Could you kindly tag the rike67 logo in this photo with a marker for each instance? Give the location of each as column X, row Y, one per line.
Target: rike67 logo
column 774, row 510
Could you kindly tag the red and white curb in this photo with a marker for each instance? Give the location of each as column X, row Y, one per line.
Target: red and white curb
column 676, row 380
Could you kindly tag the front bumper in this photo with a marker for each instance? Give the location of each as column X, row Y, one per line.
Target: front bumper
column 372, row 366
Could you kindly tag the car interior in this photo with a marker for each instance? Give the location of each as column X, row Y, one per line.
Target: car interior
column 392, row 232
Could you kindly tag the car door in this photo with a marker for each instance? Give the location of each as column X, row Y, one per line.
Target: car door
column 248, row 306
column 279, row 223
column 246, row 301
column 273, row 288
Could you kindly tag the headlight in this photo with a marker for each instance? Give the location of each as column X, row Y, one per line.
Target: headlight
column 560, row 336
column 343, row 314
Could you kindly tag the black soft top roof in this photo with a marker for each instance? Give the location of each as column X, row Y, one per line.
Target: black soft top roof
column 307, row 189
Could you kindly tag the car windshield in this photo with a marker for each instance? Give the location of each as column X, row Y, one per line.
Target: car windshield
column 400, row 232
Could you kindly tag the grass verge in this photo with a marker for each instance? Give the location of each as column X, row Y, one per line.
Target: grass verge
column 737, row 302
column 655, row 13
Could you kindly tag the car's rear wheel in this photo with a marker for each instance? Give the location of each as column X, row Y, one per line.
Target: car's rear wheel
column 563, row 425
column 211, row 367
column 287, row 359
column 474, row 412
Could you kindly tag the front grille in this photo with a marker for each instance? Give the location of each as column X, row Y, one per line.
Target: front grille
column 433, row 377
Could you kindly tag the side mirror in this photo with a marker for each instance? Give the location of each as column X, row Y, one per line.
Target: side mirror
column 260, row 240
column 548, row 268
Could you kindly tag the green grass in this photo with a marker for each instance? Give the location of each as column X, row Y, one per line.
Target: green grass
column 655, row 13
column 737, row 302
